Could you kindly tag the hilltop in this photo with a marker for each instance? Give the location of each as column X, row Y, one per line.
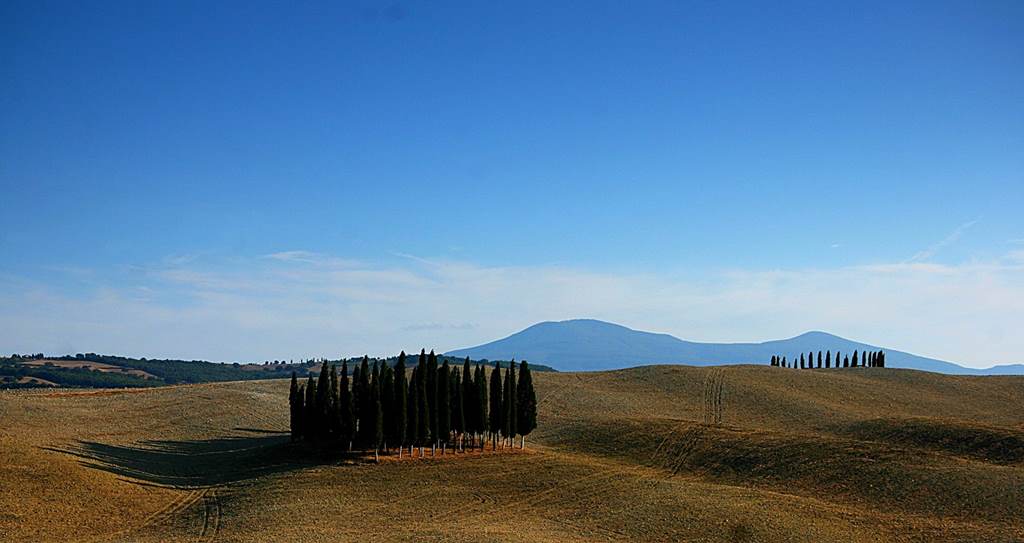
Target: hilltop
column 589, row 345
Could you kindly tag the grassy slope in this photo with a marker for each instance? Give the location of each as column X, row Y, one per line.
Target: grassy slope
column 851, row 455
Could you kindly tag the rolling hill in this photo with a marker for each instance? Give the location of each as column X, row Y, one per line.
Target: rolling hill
column 589, row 345
column 852, row 455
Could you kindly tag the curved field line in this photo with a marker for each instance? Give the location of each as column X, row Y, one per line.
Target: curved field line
column 172, row 508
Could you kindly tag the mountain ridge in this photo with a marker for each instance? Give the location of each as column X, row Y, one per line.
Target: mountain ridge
column 594, row 345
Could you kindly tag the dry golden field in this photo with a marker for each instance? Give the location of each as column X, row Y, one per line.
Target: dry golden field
column 823, row 455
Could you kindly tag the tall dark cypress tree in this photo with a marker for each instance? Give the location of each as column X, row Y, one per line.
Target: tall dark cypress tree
column 469, row 409
column 496, row 423
column 294, row 408
column 412, row 423
column 481, row 403
column 846, row 361
column 334, row 411
column 853, row 363
column 801, row 360
column 839, row 360
column 784, row 363
column 527, row 403
column 357, row 401
column 432, row 397
column 513, row 405
column 819, row 359
column 387, row 403
column 345, row 410
column 364, row 423
column 323, row 401
column 376, row 434
column 309, row 418
column 772, row 363
column 828, row 359
column 423, row 407
column 444, row 405
column 458, row 411
column 401, row 407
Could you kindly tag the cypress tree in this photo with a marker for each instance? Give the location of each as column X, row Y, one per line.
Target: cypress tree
column 846, row 361
column 444, row 406
column 513, row 405
column 458, row 409
column 432, row 397
column 481, row 403
column 357, row 401
column 819, row 359
column 347, row 414
column 293, row 408
column 401, row 407
column 469, row 409
column 495, row 422
column 309, row 428
column 526, row 402
column 323, row 400
column 363, row 425
column 881, row 359
column 772, row 363
column 801, row 360
column 838, row 359
column 853, row 363
column 828, row 359
column 423, row 407
column 387, row 402
column 412, row 422
column 784, row 363
column 376, row 414
column 334, row 409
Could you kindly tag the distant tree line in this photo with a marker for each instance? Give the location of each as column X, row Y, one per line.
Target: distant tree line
column 436, row 406
column 867, row 359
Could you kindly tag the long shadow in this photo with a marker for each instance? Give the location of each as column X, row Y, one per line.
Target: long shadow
column 200, row 463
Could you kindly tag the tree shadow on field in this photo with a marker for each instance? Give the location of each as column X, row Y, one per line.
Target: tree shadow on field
column 200, row 463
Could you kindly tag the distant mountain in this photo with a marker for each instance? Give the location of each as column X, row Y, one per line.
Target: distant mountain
column 590, row 345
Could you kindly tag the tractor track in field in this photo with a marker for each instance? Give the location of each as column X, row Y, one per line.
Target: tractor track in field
column 211, row 516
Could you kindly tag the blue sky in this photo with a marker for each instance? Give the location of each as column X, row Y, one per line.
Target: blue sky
column 240, row 181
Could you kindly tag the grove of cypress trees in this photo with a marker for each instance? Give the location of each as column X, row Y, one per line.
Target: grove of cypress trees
column 401, row 404
column 495, row 423
column 444, row 405
column 526, row 403
column 345, row 410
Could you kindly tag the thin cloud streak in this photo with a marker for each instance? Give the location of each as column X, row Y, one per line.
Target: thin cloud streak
column 273, row 308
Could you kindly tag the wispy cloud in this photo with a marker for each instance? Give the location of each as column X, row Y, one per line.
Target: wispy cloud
column 952, row 238
column 288, row 307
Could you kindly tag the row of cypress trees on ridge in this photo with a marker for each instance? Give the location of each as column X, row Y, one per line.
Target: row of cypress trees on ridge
column 435, row 407
column 874, row 359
